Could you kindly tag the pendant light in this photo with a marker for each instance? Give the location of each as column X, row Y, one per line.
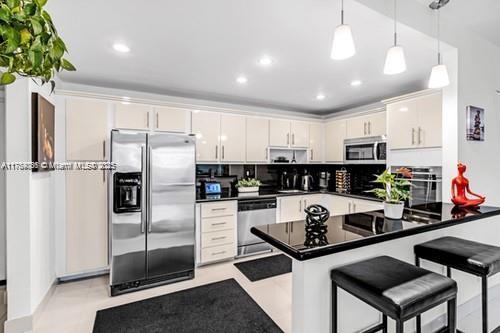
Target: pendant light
column 395, row 62
column 439, row 75
column 343, row 43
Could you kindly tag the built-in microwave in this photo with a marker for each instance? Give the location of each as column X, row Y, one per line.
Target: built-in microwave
column 372, row 150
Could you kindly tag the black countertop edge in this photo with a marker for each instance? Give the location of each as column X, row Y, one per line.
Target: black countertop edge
column 312, row 253
column 276, row 195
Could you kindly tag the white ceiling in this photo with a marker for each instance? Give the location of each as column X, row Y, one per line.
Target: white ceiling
column 194, row 48
column 480, row 16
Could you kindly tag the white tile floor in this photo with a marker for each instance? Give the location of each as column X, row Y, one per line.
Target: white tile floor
column 73, row 305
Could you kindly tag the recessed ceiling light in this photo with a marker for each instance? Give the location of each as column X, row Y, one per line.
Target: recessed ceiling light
column 320, row 97
column 120, row 47
column 266, row 61
column 241, row 79
column 356, row 83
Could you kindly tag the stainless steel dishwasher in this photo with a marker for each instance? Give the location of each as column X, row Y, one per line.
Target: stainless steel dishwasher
column 254, row 212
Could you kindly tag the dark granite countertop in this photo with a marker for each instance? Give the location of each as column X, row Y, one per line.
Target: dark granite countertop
column 352, row 231
column 273, row 193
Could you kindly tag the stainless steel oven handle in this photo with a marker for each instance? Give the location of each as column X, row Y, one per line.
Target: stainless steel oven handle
column 375, row 151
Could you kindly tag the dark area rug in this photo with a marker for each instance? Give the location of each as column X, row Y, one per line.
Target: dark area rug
column 263, row 268
column 221, row 307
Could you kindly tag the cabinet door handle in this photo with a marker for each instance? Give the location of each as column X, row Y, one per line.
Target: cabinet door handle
column 216, row 152
column 218, row 253
column 288, row 139
column 293, row 139
column 312, row 154
column 217, row 209
column 370, row 127
column 219, row 238
column 364, row 128
column 353, row 207
column 218, row 223
column 349, row 209
column 157, row 121
column 222, row 152
column 267, row 156
column 147, row 119
column 412, row 136
column 419, row 135
column 300, row 206
column 104, row 149
column 104, row 176
column 305, row 203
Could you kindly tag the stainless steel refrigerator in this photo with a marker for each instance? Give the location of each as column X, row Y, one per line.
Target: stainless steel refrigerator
column 151, row 209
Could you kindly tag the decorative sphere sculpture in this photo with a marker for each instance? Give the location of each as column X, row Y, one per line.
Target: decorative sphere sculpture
column 316, row 227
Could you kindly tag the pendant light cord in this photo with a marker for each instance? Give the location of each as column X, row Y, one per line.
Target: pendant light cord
column 395, row 23
column 439, row 35
column 342, row 12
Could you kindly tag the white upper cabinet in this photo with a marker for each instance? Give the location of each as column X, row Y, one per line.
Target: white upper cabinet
column 132, row 116
column 316, row 142
column 279, row 133
column 415, row 123
column 257, row 139
column 335, row 133
column 366, row 126
column 206, row 127
column 232, row 138
column 299, row 132
column 430, row 121
column 171, row 119
column 288, row 134
column 86, row 129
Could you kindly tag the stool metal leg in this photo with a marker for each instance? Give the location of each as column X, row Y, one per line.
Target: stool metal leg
column 484, row 299
column 384, row 323
column 452, row 315
column 400, row 326
column 334, row 308
column 419, row 317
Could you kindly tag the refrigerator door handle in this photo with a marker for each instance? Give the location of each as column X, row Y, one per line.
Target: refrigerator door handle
column 144, row 216
column 150, row 190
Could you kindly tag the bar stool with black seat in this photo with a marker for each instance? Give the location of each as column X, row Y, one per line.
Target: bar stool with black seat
column 464, row 255
column 399, row 290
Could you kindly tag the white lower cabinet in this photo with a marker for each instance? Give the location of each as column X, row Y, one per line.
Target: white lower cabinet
column 342, row 205
column 291, row 208
column 86, row 221
column 217, row 238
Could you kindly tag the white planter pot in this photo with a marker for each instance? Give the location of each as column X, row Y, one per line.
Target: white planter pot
column 394, row 210
column 248, row 189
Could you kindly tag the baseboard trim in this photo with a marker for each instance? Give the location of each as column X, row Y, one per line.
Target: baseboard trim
column 27, row 323
column 82, row 276
column 465, row 309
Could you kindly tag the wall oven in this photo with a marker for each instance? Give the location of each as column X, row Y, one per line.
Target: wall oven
column 426, row 184
column 372, row 150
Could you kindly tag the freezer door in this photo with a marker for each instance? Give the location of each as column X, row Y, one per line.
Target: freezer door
column 172, row 196
column 127, row 229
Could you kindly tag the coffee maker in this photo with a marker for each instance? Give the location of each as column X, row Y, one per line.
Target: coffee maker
column 324, row 179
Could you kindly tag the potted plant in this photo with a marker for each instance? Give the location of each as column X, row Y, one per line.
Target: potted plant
column 395, row 192
column 29, row 43
column 248, row 185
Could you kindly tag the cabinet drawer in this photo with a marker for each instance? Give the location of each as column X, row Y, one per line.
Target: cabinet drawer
column 217, row 238
column 218, row 223
column 218, row 253
column 218, row 209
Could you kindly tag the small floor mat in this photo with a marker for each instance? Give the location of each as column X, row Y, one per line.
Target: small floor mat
column 263, row 268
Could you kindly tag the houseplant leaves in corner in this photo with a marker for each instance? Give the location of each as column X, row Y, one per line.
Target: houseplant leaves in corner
column 29, row 43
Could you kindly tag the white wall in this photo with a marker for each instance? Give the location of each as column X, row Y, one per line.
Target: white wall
column 2, row 188
column 29, row 209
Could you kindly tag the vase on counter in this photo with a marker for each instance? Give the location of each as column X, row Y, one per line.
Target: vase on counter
column 394, row 210
column 242, row 189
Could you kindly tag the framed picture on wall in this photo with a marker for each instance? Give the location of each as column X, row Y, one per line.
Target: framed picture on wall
column 475, row 123
column 42, row 132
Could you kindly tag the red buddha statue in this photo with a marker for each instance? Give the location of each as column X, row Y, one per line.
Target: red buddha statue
column 460, row 188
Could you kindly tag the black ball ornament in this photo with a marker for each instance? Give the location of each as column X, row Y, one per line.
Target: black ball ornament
column 315, row 226
column 316, row 215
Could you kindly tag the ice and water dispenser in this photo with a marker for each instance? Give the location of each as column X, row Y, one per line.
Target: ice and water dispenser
column 127, row 192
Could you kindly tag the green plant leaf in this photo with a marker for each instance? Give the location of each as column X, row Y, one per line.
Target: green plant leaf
column 56, row 52
column 25, row 36
column 5, row 13
column 7, row 78
column 65, row 64
column 13, row 3
column 60, row 43
column 13, row 39
column 40, row 3
column 30, row 9
column 37, row 27
column 35, row 58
